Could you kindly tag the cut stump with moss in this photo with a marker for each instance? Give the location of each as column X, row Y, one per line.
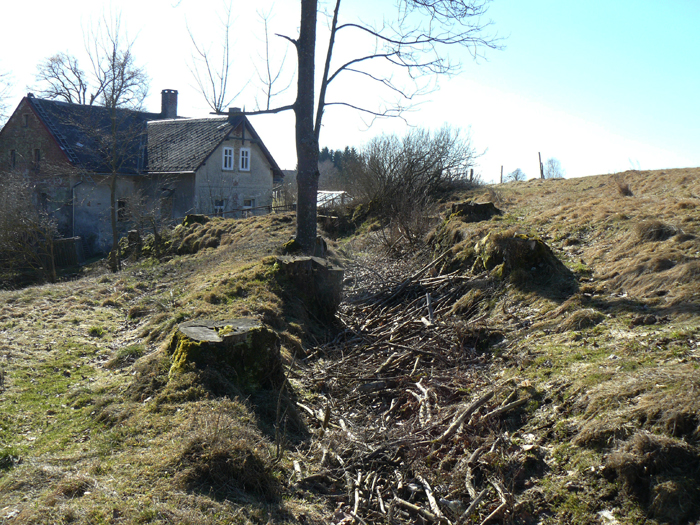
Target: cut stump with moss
column 471, row 211
column 522, row 259
column 243, row 348
column 318, row 283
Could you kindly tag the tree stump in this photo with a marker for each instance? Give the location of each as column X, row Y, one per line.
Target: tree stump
column 318, row 283
column 471, row 211
column 244, row 348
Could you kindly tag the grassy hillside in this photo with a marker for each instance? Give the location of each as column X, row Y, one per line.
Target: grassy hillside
column 584, row 361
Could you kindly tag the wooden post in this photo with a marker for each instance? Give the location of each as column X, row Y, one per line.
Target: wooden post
column 541, row 166
column 501, row 174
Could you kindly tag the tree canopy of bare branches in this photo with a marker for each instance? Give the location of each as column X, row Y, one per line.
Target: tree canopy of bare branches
column 401, row 178
column 553, row 169
column 61, row 78
column 516, row 175
column 401, row 54
column 5, row 88
column 120, row 82
column 113, row 80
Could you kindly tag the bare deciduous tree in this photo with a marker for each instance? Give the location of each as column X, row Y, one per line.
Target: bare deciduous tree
column 120, row 82
column 61, row 78
column 211, row 72
column 516, row 175
column 122, row 86
column 416, row 43
column 553, row 169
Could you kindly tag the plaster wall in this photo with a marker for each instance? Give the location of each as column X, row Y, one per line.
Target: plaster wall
column 92, row 210
column 235, row 186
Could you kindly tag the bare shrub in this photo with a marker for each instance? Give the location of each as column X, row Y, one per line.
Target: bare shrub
column 401, row 178
column 27, row 233
column 623, row 188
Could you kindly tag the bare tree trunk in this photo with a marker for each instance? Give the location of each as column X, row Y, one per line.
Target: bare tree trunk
column 52, row 277
column 114, row 258
column 306, row 142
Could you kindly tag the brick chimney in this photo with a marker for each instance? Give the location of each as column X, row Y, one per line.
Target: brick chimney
column 233, row 113
column 168, row 105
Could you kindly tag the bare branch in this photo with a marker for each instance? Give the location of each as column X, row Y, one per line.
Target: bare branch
column 5, row 90
column 63, row 79
column 289, row 107
column 213, row 82
column 326, row 69
column 269, row 79
column 292, row 40
column 120, row 83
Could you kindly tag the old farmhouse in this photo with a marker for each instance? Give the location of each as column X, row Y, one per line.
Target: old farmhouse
column 154, row 165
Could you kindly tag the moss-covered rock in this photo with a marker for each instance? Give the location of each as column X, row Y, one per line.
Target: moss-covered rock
column 191, row 219
column 522, row 259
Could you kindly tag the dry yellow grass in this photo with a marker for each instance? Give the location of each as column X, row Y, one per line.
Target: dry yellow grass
column 92, row 431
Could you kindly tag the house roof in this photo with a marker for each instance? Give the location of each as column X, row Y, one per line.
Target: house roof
column 175, row 145
column 83, row 133
column 183, row 145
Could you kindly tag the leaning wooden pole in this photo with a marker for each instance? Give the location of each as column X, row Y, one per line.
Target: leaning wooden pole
column 541, row 166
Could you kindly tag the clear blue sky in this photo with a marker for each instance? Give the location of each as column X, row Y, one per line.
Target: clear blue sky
column 601, row 85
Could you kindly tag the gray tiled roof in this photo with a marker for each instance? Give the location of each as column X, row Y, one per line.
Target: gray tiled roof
column 184, row 144
column 83, row 132
column 175, row 145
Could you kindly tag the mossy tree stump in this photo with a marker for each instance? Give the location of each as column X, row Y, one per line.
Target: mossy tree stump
column 319, row 284
column 522, row 259
column 243, row 348
column 471, row 211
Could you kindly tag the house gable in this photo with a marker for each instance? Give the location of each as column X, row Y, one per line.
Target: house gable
column 26, row 143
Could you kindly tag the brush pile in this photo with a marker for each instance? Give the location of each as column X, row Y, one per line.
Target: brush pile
column 408, row 430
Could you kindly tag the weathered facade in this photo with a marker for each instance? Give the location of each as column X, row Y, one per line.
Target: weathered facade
column 230, row 169
column 160, row 165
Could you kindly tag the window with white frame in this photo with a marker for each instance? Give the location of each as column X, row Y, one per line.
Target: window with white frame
column 219, row 207
column 227, row 162
column 244, row 164
column 248, row 206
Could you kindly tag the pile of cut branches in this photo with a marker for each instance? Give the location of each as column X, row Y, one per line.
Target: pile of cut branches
column 408, row 426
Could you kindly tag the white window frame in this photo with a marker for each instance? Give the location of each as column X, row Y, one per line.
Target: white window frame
column 244, row 159
column 227, row 159
column 219, row 207
column 248, row 209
